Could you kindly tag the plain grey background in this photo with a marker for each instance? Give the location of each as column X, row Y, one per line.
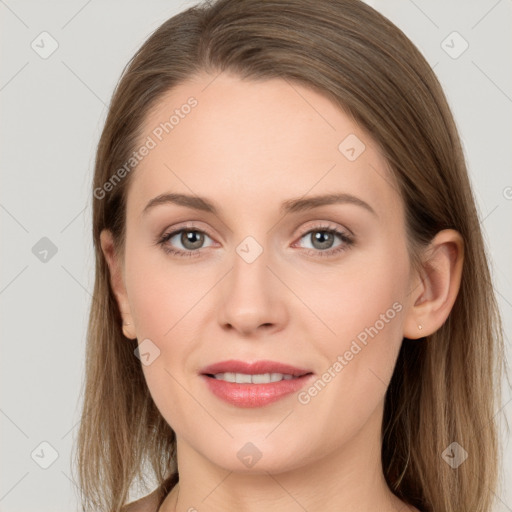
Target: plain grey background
column 53, row 106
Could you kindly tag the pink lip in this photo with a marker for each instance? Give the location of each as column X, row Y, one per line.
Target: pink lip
column 255, row 368
column 254, row 395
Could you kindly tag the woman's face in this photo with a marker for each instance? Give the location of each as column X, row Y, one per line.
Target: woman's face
column 260, row 278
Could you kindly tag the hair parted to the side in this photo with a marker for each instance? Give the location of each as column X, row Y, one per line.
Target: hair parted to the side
column 446, row 387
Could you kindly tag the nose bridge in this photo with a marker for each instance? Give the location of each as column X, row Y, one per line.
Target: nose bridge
column 250, row 297
column 250, row 275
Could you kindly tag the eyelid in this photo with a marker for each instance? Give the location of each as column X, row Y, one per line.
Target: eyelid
column 344, row 234
column 190, row 225
column 324, row 224
column 311, row 225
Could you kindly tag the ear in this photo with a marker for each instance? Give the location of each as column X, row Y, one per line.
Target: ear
column 435, row 289
column 115, row 266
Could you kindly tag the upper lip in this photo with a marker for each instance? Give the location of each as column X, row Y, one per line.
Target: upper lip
column 254, row 368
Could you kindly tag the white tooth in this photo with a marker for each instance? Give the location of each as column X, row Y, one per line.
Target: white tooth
column 244, row 378
column 262, row 378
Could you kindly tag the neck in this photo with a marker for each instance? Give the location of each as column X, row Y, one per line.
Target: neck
column 347, row 478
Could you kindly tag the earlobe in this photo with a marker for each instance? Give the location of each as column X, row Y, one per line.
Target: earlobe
column 434, row 294
column 117, row 282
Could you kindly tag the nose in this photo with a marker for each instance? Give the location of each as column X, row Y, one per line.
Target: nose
column 252, row 297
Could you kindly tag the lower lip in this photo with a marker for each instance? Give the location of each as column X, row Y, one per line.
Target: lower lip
column 254, row 395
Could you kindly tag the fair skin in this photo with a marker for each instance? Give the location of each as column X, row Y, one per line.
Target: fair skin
column 247, row 147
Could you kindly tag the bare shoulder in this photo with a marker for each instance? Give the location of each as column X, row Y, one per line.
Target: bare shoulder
column 148, row 503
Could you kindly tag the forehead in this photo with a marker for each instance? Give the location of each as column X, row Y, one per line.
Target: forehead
column 245, row 142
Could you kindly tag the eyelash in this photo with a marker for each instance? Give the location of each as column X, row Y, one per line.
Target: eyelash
column 347, row 240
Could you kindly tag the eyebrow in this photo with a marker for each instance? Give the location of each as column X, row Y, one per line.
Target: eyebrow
column 289, row 206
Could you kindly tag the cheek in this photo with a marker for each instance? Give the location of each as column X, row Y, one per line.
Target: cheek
column 367, row 292
column 162, row 303
column 161, row 294
column 369, row 329
column 361, row 308
column 166, row 301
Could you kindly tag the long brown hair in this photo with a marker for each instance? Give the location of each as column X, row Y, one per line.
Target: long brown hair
column 446, row 387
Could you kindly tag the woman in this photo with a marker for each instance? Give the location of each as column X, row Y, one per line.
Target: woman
column 358, row 372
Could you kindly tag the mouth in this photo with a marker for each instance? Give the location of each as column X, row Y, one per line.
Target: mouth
column 257, row 368
column 254, row 384
column 258, row 378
